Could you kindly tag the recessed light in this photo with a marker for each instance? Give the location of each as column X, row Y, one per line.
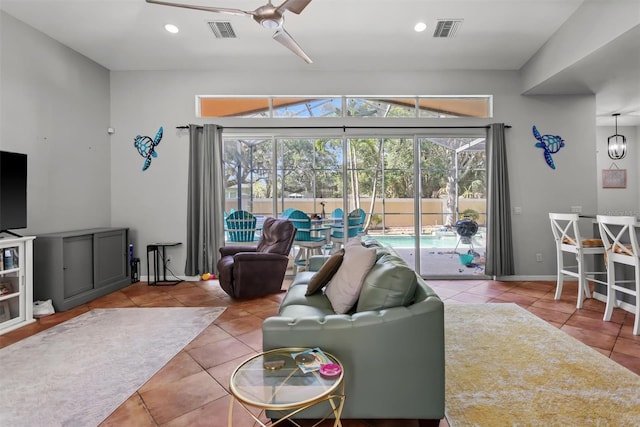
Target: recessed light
column 171, row 28
column 420, row 27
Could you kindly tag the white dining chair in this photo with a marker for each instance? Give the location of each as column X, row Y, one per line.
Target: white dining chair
column 566, row 233
column 621, row 243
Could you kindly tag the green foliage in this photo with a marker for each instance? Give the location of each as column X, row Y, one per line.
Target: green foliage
column 476, row 189
column 470, row 213
column 376, row 167
column 376, row 219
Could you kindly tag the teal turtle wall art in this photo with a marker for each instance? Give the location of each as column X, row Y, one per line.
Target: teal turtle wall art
column 147, row 147
column 550, row 144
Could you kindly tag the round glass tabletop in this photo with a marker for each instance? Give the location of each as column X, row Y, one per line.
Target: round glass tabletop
column 276, row 379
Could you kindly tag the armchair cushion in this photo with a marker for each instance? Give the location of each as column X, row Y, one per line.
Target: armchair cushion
column 344, row 288
column 276, row 236
column 232, row 250
column 326, row 273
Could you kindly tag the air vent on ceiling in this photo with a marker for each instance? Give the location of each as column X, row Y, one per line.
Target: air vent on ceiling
column 447, row 27
column 222, row 29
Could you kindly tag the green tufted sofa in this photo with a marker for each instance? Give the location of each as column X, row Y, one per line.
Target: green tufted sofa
column 391, row 344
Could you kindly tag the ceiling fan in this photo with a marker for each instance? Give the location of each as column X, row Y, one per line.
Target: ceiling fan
column 269, row 16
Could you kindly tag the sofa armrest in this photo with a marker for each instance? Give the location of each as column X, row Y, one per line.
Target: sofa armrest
column 317, row 261
column 232, row 250
column 258, row 257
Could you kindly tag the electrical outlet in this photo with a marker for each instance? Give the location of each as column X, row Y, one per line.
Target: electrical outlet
column 517, row 210
column 538, row 257
column 576, row 209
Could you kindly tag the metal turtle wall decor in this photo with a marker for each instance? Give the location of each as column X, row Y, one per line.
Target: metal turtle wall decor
column 147, row 147
column 550, row 144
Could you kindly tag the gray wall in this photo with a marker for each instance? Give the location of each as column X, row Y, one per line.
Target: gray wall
column 54, row 106
column 142, row 101
column 619, row 201
column 81, row 177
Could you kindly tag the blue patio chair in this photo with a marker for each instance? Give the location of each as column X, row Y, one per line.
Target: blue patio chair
column 287, row 212
column 241, row 227
column 226, row 232
column 354, row 227
column 306, row 239
column 363, row 215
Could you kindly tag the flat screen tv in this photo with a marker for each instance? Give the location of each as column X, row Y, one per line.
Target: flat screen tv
column 13, row 191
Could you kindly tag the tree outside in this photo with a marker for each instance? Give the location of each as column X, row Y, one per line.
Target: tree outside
column 377, row 169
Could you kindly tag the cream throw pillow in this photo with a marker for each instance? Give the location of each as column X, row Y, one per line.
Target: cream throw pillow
column 354, row 241
column 344, row 288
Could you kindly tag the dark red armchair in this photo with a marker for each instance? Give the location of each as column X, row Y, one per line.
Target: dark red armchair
column 252, row 271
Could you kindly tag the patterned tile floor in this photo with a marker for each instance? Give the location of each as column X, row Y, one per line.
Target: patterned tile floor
column 191, row 390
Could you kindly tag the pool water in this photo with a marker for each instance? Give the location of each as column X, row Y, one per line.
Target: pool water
column 407, row 241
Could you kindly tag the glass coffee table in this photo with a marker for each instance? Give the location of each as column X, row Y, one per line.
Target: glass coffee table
column 273, row 381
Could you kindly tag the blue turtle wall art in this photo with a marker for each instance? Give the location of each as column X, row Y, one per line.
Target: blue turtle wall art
column 550, row 144
column 147, row 147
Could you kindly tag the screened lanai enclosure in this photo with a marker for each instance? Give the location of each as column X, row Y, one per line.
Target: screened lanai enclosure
column 422, row 191
column 414, row 190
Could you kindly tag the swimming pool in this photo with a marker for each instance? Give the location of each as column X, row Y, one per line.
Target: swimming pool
column 407, row 241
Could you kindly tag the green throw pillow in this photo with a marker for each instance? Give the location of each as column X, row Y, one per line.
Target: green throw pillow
column 390, row 283
column 325, row 273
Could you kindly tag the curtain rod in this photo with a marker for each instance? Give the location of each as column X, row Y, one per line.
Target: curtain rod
column 350, row 127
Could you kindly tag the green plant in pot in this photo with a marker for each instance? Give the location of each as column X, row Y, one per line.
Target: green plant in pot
column 470, row 214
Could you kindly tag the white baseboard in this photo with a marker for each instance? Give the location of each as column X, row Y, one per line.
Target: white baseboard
column 185, row 278
column 540, row 278
column 547, row 278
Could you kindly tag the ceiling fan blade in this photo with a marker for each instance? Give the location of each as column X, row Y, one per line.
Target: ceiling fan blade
column 205, row 8
column 287, row 41
column 295, row 6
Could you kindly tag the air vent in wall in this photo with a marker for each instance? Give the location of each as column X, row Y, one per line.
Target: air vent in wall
column 222, row 29
column 447, row 27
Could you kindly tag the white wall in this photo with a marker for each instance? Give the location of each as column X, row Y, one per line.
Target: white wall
column 155, row 200
column 54, row 106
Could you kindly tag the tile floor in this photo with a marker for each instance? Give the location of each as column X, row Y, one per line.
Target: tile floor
column 191, row 390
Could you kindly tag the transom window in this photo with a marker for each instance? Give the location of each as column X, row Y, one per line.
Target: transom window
column 455, row 106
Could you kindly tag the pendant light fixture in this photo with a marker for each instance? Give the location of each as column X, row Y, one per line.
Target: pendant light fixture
column 617, row 144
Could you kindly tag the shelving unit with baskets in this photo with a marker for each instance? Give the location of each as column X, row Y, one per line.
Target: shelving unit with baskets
column 16, row 282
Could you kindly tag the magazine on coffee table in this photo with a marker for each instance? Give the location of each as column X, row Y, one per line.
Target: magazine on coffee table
column 310, row 360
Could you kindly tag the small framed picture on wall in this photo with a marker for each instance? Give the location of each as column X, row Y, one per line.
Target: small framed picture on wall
column 614, row 178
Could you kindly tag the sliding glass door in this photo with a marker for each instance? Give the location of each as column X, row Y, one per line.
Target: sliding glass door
column 249, row 175
column 453, row 206
column 414, row 190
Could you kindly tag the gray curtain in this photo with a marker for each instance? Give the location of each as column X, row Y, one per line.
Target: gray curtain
column 205, row 200
column 499, row 235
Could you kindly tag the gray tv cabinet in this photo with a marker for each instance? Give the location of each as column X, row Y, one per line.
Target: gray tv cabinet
column 75, row 267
